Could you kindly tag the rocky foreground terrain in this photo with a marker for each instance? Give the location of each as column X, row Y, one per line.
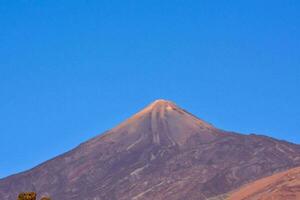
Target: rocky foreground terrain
column 280, row 186
column 163, row 153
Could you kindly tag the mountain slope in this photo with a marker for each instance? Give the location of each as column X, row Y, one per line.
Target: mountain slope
column 162, row 152
column 280, row 186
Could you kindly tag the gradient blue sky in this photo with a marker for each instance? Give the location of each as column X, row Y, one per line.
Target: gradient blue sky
column 70, row 70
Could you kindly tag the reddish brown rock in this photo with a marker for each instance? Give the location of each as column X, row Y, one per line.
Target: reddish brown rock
column 163, row 152
column 280, row 186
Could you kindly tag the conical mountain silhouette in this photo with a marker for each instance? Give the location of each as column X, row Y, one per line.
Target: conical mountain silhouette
column 164, row 123
column 162, row 153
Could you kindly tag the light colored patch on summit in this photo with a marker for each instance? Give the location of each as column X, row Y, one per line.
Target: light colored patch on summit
column 169, row 108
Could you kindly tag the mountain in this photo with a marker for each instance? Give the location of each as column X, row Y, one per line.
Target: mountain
column 280, row 186
column 163, row 153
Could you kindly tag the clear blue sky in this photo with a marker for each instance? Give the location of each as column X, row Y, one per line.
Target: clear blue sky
column 70, row 70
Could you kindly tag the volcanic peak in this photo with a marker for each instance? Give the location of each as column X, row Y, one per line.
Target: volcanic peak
column 160, row 104
column 164, row 120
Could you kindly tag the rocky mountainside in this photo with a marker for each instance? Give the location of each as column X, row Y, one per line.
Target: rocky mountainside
column 163, row 153
column 280, row 186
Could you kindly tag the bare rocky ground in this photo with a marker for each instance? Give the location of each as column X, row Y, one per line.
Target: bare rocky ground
column 280, row 186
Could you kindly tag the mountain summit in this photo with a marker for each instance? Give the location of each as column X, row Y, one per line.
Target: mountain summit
column 164, row 123
column 162, row 152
